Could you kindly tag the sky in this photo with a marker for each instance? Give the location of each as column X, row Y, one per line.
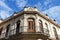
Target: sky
column 50, row 7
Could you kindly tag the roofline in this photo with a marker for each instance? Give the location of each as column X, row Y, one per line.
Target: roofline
column 50, row 20
column 23, row 12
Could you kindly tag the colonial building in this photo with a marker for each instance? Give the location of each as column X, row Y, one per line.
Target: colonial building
column 29, row 24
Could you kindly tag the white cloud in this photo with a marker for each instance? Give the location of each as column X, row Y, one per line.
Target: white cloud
column 43, row 6
column 21, row 3
column 4, row 11
column 53, row 12
column 2, row 0
column 47, row 2
column 4, row 14
column 2, row 4
column 39, row 6
column 11, row 0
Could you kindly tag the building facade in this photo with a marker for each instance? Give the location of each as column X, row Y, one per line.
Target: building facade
column 29, row 24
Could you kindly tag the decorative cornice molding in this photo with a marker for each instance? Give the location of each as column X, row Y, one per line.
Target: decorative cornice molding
column 30, row 12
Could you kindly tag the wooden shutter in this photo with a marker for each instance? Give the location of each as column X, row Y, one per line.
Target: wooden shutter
column 31, row 27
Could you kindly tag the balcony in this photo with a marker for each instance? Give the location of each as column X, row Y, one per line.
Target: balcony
column 23, row 31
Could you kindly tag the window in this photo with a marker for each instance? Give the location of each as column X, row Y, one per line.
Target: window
column 31, row 25
column 7, row 30
column 46, row 25
column 1, row 30
column 55, row 32
column 46, row 28
column 41, row 25
column 18, row 26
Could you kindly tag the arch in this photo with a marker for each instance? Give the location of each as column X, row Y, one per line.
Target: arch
column 7, row 30
column 31, row 17
column 55, row 32
column 46, row 29
column 41, row 25
column 17, row 26
column 1, row 30
column 46, row 25
column 31, row 25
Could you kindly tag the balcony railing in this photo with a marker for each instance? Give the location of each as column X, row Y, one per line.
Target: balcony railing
column 58, row 37
column 24, row 30
column 46, row 31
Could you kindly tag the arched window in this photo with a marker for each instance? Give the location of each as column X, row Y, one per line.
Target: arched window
column 46, row 25
column 7, row 30
column 55, row 32
column 41, row 25
column 1, row 30
column 31, row 25
column 46, row 28
column 17, row 26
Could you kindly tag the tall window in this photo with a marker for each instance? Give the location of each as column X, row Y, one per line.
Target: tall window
column 41, row 25
column 17, row 26
column 46, row 25
column 31, row 25
column 46, row 30
column 1, row 30
column 7, row 30
column 55, row 32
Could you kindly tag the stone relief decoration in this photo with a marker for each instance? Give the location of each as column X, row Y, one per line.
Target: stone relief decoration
column 30, row 9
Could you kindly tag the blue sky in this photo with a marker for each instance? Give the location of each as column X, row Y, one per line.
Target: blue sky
column 51, row 7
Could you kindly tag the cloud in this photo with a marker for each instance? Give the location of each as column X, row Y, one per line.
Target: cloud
column 21, row 3
column 2, row 0
column 39, row 6
column 4, row 14
column 4, row 10
column 46, row 2
column 53, row 12
column 47, row 7
column 2, row 4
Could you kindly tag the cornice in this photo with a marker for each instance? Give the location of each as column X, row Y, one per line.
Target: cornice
column 30, row 12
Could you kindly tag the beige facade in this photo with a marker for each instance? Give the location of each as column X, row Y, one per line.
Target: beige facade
column 29, row 24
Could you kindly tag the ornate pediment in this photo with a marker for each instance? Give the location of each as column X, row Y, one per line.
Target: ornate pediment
column 30, row 9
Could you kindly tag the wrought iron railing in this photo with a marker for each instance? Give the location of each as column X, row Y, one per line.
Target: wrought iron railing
column 24, row 29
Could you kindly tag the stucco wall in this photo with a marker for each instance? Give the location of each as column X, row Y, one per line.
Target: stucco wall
column 24, row 24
